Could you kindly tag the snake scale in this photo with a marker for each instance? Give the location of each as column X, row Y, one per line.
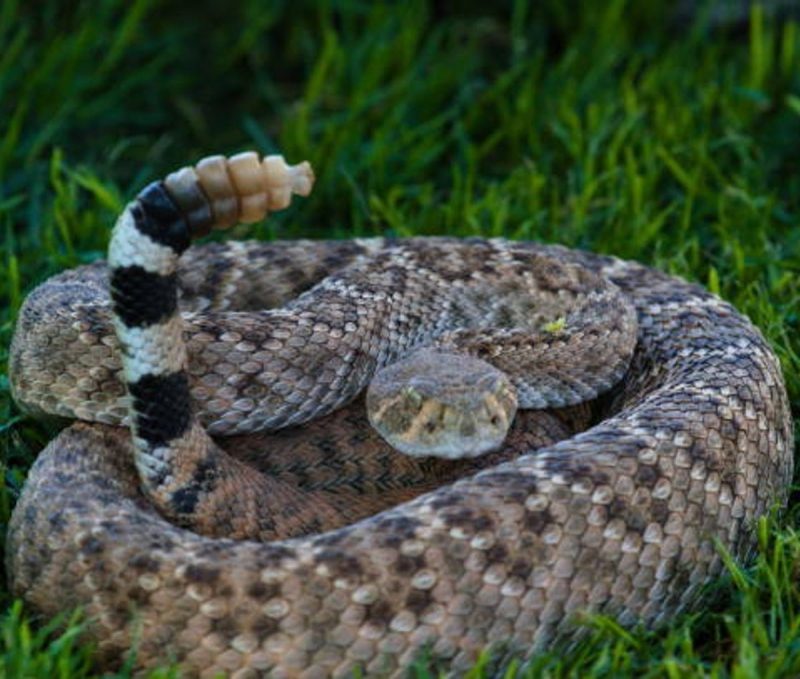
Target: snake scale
column 191, row 534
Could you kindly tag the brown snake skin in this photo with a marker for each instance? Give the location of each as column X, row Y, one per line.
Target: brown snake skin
column 617, row 511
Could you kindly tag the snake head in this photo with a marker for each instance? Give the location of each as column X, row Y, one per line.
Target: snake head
column 441, row 404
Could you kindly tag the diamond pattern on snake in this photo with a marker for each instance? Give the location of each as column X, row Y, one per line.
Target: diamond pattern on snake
column 298, row 458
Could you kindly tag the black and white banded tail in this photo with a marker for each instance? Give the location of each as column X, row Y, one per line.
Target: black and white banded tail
column 148, row 239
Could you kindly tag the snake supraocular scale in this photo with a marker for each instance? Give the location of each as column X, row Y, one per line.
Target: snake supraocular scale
column 617, row 511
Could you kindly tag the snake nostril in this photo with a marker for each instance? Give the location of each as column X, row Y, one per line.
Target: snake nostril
column 494, row 420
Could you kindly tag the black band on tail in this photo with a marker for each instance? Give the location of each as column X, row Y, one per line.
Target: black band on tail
column 162, row 407
column 142, row 298
column 157, row 215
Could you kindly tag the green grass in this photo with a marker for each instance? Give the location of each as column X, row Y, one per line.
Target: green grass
column 602, row 125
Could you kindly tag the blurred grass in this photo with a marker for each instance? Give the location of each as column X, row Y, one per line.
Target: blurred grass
column 610, row 126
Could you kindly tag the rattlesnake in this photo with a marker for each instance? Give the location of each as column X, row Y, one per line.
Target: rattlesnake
column 618, row 511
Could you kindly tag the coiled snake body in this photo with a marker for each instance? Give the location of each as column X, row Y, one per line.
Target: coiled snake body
column 610, row 505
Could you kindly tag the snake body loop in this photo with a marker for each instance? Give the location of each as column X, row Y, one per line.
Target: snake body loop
column 612, row 505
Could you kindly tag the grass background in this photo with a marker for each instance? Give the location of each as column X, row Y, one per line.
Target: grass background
column 622, row 127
